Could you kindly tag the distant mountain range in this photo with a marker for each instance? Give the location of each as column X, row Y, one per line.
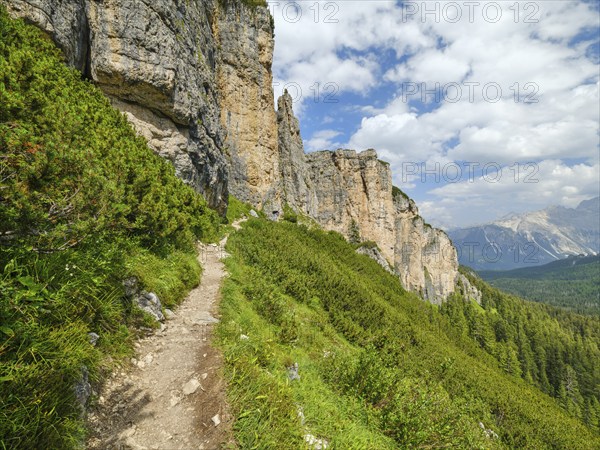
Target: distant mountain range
column 531, row 239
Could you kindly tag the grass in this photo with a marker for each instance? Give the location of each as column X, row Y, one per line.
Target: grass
column 170, row 277
column 85, row 204
column 265, row 402
column 379, row 367
column 237, row 209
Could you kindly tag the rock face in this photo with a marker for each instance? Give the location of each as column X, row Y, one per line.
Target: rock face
column 296, row 185
column 354, row 196
column 169, row 66
column 65, row 22
column 375, row 254
column 245, row 86
column 156, row 60
column 424, row 257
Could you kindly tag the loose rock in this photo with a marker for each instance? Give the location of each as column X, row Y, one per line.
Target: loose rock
column 293, row 372
column 191, row 386
column 93, row 338
column 150, row 303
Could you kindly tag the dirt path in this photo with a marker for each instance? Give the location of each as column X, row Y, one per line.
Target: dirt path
column 172, row 396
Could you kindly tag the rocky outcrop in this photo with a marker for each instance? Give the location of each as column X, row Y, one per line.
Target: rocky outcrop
column 424, row 257
column 354, row 193
column 194, row 78
column 355, row 196
column 245, row 39
column 296, row 184
column 468, row 291
column 146, row 301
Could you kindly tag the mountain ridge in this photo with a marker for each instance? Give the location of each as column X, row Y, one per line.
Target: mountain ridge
column 530, row 239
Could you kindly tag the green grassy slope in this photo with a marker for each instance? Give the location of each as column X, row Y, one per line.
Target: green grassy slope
column 379, row 367
column 572, row 283
column 84, row 203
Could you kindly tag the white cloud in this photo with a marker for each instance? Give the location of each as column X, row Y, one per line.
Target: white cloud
column 322, row 140
column 539, row 47
column 515, row 189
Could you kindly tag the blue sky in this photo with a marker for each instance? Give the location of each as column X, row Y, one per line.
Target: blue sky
column 509, row 118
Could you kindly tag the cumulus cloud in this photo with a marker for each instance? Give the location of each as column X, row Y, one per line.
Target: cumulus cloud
column 515, row 188
column 521, row 85
column 322, row 140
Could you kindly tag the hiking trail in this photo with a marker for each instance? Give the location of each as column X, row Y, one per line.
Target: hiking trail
column 171, row 396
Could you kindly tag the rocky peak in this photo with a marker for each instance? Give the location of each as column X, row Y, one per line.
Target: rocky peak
column 295, row 180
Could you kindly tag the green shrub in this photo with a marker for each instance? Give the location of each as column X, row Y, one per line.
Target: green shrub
column 84, row 203
column 379, row 367
column 237, row 209
column 289, row 215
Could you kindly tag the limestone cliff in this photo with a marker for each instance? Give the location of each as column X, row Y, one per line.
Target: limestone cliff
column 355, row 197
column 192, row 77
column 424, row 257
column 245, row 39
column 354, row 194
column 296, row 185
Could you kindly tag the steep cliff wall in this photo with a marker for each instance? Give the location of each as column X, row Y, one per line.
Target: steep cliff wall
column 424, row 257
column 296, row 185
column 245, row 39
column 194, row 78
column 352, row 193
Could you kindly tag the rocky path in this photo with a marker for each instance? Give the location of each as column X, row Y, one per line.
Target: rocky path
column 172, row 396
